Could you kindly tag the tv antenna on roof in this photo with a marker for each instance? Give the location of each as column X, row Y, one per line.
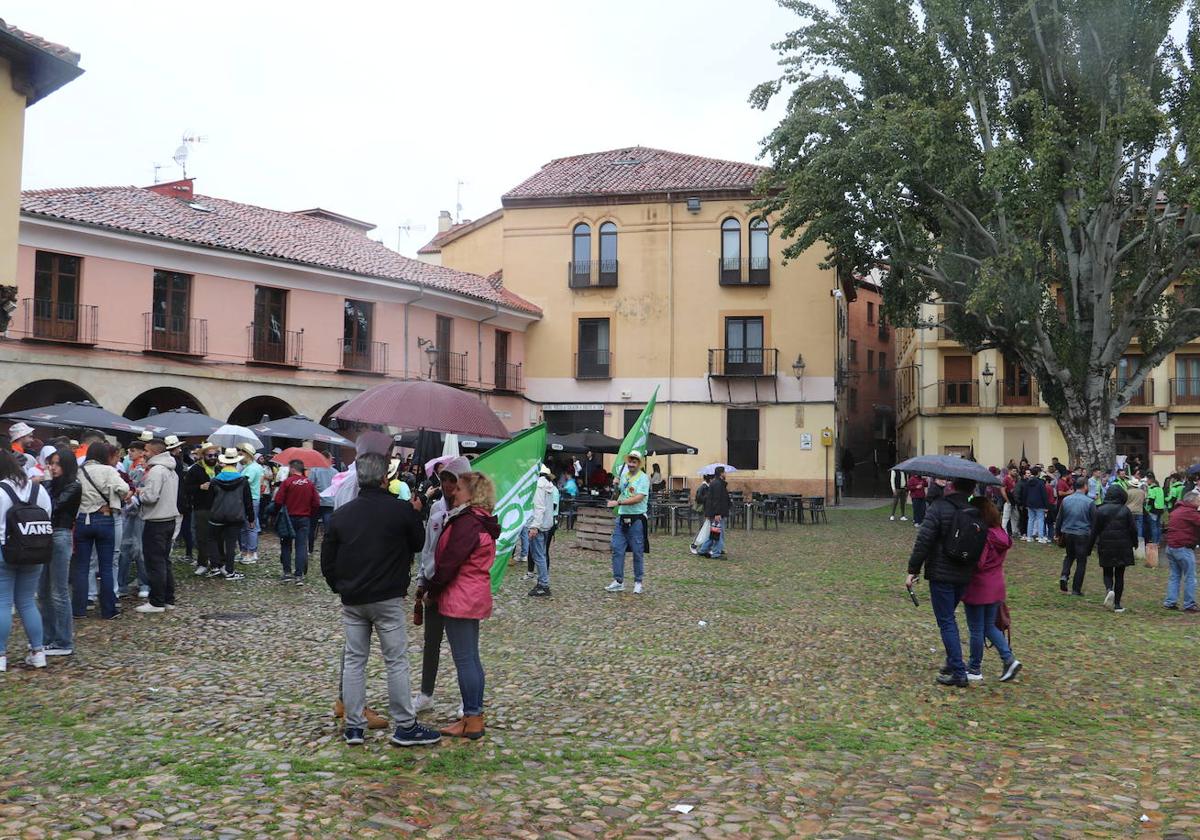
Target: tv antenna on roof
column 458, row 201
column 406, row 229
column 181, row 154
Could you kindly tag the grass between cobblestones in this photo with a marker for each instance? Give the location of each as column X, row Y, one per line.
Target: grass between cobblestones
column 804, row 705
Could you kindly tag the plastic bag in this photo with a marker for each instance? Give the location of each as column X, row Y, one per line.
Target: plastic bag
column 1139, row 553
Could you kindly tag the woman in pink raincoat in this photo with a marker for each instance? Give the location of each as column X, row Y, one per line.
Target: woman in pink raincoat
column 985, row 594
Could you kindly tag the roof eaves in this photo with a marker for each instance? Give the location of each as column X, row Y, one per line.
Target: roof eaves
column 40, row 67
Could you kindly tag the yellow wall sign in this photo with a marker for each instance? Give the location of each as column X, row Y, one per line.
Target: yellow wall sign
column 827, row 436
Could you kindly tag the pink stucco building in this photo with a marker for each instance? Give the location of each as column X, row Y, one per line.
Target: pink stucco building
column 159, row 297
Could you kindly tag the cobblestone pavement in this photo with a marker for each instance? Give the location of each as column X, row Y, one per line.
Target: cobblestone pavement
column 787, row 691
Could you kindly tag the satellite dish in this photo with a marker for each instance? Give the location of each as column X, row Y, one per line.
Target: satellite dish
column 181, row 154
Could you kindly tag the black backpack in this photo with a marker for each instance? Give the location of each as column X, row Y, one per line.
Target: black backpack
column 29, row 535
column 965, row 542
column 228, row 503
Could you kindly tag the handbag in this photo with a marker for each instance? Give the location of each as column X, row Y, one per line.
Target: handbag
column 283, row 525
column 1004, row 621
column 1060, row 539
column 1152, row 555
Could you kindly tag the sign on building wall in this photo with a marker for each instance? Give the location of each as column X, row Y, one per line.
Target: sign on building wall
column 573, row 407
column 806, row 440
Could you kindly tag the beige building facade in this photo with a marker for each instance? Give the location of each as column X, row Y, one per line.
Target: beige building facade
column 951, row 401
column 653, row 271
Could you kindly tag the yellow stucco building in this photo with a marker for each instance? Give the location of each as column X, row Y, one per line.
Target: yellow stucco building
column 30, row 69
column 653, row 271
column 950, row 401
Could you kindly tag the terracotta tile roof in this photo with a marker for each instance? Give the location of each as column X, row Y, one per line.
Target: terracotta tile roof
column 634, row 170
column 244, row 228
column 56, row 50
column 434, row 246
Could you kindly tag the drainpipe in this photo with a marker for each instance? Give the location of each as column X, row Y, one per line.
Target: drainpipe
column 479, row 339
column 671, row 316
column 408, row 303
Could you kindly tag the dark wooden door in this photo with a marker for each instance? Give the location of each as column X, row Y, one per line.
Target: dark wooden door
column 56, row 297
column 270, row 324
column 959, row 387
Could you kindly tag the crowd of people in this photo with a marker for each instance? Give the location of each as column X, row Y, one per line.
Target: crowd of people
column 1123, row 515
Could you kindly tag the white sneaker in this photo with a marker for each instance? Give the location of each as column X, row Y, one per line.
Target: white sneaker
column 421, row 702
column 200, row 570
column 892, row 518
column 170, row 606
column 975, row 677
column 693, row 549
column 637, row 588
column 1110, row 599
column 149, row 608
column 36, row 660
column 615, row 586
column 50, row 650
column 144, row 592
column 903, row 518
column 529, row 576
column 3, row 664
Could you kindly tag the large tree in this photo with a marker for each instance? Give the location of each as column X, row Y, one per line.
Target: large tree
column 1030, row 165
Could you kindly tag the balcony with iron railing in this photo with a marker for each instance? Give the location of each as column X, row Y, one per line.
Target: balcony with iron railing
column 593, row 364
column 1185, row 392
column 364, row 356
column 509, row 377
column 743, row 361
column 735, row 271
column 962, row 393
column 447, row 367
column 59, row 321
column 271, row 346
column 1143, row 396
column 586, row 274
column 1016, row 393
column 175, row 336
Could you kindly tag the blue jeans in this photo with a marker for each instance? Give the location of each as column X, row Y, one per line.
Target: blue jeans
column 248, row 538
column 1154, row 522
column 981, row 622
column 919, row 506
column 54, row 593
column 18, row 585
column 99, row 534
column 537, row 551
column 463, row 634
column 1183, row 567
column 1139, row 522
column 1050, row 524
column 300, row 524
column 131, row 552
column 715, row 547
column 1035, row 528
column 635, row 540
column 944, row 598
column 524, row 535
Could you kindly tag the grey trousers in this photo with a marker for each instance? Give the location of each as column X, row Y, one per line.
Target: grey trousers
column 388, row 619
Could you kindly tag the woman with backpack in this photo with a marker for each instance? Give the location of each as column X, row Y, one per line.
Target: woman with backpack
column 232, row 508
column 19, row 580
column 985, row 594
column 54, row 590
column 1114, row 535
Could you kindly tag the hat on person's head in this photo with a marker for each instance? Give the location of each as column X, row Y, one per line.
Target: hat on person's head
column 230, row 457
column 146, row 436
column 456, row 465
column 546, row 471
column 373, row 442
column 19, row 430
column 276, row 451
column 633, row 453
column 248, row 448
column 208, row 446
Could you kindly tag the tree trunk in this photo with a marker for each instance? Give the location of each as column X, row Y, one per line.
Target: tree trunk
column 1090, row 436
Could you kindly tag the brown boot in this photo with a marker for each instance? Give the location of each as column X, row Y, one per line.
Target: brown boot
column 458, row 729
column 374, row 719
column 474, row 727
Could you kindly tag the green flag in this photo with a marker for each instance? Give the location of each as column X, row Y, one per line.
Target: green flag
column 513, row 467
column 638, row 434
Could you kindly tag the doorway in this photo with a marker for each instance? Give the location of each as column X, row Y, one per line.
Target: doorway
column 1133, row 442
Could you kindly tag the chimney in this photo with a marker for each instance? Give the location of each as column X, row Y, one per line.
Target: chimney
column 445, row 221
column 176, row 189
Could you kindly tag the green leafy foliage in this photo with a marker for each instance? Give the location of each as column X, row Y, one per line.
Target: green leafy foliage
column 1028, row 165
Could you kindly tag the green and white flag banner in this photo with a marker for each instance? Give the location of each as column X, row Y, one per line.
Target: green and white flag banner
column 639, row 434
column 513, row 467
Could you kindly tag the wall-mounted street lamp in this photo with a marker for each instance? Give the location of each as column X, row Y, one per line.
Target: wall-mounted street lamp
column 988, row 374
column 798, row 365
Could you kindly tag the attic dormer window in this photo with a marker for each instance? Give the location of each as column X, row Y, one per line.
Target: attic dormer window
column 196, row 205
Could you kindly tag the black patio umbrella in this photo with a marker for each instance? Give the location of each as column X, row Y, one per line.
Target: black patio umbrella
column 467, row 443
column 427, row 447
column 659, row 445
column 584, row 441
column 947, row 466
column 76, row 415
column 299, row 427
column 182, row 422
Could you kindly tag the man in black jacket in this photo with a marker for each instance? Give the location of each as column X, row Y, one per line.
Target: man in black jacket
column 716, row 511
column 197, row 482
column 947, row 578
column 366, row 558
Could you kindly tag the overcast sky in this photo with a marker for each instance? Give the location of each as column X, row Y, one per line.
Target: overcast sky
column 377, row 109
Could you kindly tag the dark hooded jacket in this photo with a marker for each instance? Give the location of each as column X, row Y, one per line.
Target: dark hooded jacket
column 1114, row 531
column 928, row 551
column 366, row 555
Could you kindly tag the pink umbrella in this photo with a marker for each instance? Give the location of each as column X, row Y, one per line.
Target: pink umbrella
column 420, row 404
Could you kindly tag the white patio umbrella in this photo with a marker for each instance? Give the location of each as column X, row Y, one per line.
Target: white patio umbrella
column 230, row 435
column 712, row 468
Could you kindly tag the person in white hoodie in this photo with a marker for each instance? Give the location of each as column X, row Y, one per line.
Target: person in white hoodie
column 159, row 495
column 448, row 470
column 540, row 525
